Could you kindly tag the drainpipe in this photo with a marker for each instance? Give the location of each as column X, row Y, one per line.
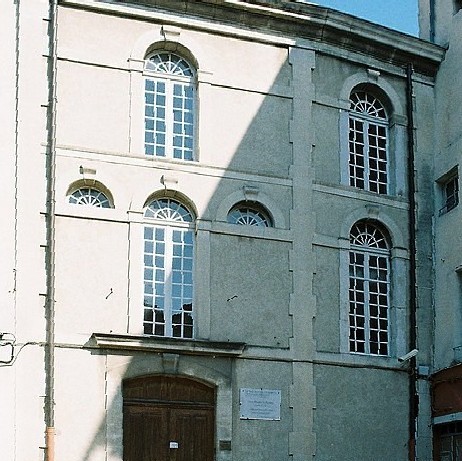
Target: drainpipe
column 50, row 235
column 413, row 396
column 432, row 21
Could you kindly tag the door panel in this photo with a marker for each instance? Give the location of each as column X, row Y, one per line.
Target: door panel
column 193, row 430
column 145, row 432
column 168, row 419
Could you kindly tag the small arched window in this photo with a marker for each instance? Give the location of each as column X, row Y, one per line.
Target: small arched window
column 169, row 106
column 369, row 289
column 249, row 214
column 368, row 144
column 168, row 269
column 89, row 196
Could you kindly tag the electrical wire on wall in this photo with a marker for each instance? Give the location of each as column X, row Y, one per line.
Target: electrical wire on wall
column 7, row 341
column 9, row 355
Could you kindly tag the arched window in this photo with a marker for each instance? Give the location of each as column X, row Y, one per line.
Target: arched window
column 368, row 132
column 169, row 107
column 168, row 269
column 369, row 289
column 249, row 214
column 89, row 196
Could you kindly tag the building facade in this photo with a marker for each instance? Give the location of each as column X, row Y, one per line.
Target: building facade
column 231, row 235
column 446, row 30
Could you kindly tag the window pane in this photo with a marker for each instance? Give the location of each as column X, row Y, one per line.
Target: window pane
column 89, row 197
column 155, row 127
column 367, row 143
column 249, row 214
column 369, row 288
column 173, row 289
column 171, row 102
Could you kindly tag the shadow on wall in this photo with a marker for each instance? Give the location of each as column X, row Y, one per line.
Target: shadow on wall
column 247, row 276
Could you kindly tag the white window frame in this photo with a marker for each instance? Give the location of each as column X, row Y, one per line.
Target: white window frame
column 368, row 253
column 168, row 225
column 449, row 192
column 249, row 214
column 89, row 196
column 173, row 78
column 372, row 115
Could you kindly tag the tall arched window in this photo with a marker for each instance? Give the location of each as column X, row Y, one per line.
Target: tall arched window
column 169, row 107
column 368, row 132
column 369, row 289
column 168, row 269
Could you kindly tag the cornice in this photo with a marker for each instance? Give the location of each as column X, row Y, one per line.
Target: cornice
column 290, row 20
column 109, row 341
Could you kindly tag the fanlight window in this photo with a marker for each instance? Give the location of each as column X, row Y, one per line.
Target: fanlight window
column 369, row 290
column 168, row 209
column 367, row 105
column 169, row 107
column 168, row 63
column 168, row 270
column 368, row 235
column 246, row 214
column 91, row 197
column 368, row 133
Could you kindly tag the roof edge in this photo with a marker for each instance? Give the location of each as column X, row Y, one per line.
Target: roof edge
column 293, row 20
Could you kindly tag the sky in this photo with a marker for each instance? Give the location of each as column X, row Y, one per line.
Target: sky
column 397, row 14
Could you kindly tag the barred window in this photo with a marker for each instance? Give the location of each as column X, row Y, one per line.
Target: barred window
column 168, row 269
column 369, row 289
column 169, row 107
column 450, row 193
column 368, row 133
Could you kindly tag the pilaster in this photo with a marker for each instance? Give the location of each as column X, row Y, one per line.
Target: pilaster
column 302, row 262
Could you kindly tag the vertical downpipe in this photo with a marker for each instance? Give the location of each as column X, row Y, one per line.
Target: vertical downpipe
column 432, row 21
column 413, row 396
column 16, row 175
column 50, row 235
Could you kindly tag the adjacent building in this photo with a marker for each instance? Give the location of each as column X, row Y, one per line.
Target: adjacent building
column 445, row 28
column 231, row 234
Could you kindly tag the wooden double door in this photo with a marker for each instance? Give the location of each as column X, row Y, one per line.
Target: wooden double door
column 168, row 419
